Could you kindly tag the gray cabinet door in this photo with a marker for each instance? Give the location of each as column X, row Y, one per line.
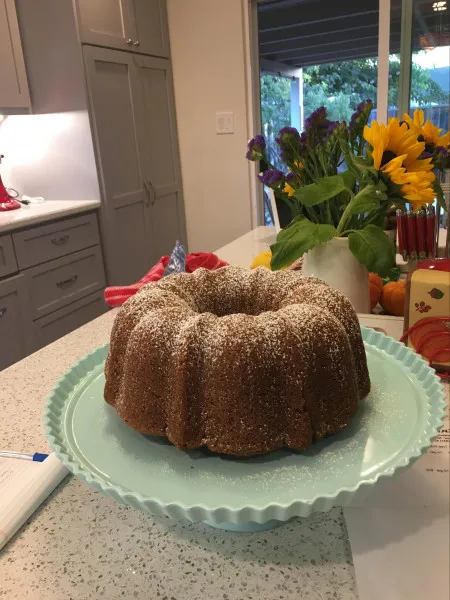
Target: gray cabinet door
column 124, row 221
column 15, row 321
column 159, row 154
column 152, row 35
column 106, row 22
column 14, row 96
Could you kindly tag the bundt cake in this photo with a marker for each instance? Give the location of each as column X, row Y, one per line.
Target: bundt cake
column 242, row 362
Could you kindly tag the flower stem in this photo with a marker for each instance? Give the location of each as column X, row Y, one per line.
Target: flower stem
column 346, row 213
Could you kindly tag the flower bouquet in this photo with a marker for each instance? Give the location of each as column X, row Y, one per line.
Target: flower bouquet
column 342, row 181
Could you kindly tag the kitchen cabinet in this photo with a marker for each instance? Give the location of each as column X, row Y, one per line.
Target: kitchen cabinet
column 137, row 25
column 135, row 131
column 159, row 154
column 8, row 263
column 152, row 32
column 15, row 321
column 57, row 286
column 127, row 92
column 113, row 91
column 14, row 95
column 106, row 22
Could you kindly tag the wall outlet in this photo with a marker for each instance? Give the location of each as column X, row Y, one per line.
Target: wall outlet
column 224, row 122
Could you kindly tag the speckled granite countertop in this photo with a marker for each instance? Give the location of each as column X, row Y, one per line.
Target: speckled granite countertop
column 81, row 545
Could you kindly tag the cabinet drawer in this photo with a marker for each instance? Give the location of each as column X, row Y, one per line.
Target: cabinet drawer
column 8, row 262
column 46, row 242
column 14, row 324
column 63, row 321
column 60, row 282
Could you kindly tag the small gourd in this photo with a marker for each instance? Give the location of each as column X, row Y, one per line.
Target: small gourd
column 393, row 298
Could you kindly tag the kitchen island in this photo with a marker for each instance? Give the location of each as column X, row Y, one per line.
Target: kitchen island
column 80, row 544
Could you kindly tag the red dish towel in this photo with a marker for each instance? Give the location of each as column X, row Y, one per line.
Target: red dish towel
column 115, row 296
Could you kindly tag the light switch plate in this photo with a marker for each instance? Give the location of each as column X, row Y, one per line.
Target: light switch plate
column 224, row 122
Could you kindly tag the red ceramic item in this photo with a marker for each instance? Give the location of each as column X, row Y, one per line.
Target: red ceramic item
column 437, row 264
column 6, row 201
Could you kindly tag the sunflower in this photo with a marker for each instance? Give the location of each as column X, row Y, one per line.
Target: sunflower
column 418, row 193
column 395, row 152
column 426, row 130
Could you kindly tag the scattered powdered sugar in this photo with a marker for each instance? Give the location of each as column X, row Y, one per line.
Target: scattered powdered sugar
column 228, row 359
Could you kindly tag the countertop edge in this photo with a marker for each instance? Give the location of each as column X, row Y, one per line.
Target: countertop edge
column 54, row 212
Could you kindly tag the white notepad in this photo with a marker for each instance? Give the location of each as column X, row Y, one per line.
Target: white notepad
column 24, row 485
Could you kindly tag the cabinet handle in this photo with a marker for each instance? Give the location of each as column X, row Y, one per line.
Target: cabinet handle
column 136, row 43
column 59, row 241
column 148, row 193
column 129, row 42
column 69, row 281
column 151, row 191
column 2, row 311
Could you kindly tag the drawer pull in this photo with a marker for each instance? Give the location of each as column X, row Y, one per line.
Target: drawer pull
column 66, row 282
column 59, row 241
column 2, row 311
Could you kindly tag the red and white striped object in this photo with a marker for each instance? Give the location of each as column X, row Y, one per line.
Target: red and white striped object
column 117, row 295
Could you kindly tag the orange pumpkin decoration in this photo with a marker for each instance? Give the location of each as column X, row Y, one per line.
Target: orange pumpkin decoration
column 375, row 288
column 393, row 298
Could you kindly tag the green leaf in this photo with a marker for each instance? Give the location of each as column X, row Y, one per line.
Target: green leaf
column 393, row 275
column 372, row 247
column 364, row 165
column 321, row 190
column 300, row 236
column 364, row 204
column 349, row 158
column 368, row 199
column 349, row 179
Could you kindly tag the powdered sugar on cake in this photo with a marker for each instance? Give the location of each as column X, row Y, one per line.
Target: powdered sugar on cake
column 240, row 361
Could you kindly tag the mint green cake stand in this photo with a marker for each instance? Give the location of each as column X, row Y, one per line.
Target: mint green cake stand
column 394, row 426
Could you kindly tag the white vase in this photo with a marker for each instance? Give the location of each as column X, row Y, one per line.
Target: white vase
column 335, row 264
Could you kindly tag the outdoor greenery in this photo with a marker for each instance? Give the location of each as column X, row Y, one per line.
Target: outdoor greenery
column 340, row 87
column 276, row 110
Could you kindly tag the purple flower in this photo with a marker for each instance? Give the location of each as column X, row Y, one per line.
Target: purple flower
column 289, row 142
column 290, row 176
column 316, row 117
column 425, row 155
column 332, row 126
column 441, row 158
column 256, row 148
column 360, row 116
column 271, row 177
column 288, row 135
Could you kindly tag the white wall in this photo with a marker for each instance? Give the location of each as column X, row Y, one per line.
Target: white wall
column 49, row 155
column 210, row 61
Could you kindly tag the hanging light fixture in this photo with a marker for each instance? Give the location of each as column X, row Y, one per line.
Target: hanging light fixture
column 440, row 6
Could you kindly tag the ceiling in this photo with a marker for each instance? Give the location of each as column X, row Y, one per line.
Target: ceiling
column 301, row 33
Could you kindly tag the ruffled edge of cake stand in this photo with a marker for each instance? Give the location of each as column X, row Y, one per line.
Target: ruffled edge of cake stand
column 54, row 411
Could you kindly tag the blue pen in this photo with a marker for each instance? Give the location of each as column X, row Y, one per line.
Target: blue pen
column 36, row 457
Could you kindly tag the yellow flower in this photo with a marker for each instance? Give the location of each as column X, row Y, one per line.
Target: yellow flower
column 418, row 193
column 396, row 171
column 288, row 189
column 395, row 152
column 392, row 140
column 426, row 129
column 262, row 260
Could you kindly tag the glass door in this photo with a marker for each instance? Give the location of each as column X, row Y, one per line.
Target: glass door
column 310, row 57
